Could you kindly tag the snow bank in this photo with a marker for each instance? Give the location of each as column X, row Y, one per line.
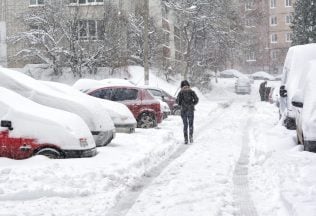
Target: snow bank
column 47, row 125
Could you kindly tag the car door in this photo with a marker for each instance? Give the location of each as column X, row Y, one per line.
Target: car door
column 128, row 96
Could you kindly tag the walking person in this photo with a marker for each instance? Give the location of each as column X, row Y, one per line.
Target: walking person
column 262, row 90
column 187, row 99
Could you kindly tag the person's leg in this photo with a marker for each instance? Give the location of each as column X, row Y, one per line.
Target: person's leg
column 191, row 121
column 184, row 117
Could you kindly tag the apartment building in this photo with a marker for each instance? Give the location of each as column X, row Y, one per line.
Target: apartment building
column 90, row 12
column 280, row 34
column 267, row 26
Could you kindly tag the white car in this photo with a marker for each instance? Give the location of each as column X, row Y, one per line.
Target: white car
column 231, row 73
column 294, row 73
column 122, row 117
column 262, row 75
column 304, row 101
column 96, row 118
column 243, row 85
column 28, row 129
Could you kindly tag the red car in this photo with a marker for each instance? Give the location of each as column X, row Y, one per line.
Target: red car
column 145, row 108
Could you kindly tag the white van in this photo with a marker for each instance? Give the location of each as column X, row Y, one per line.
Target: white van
column 304, row 101
column 294, row 71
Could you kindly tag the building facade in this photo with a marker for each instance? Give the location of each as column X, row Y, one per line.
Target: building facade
column 90, row 12
column 267, row 26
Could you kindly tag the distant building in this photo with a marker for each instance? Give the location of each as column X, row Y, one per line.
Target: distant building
column 89, row 10
column 267, row 24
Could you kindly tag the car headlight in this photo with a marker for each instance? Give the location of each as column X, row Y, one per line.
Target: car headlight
column 83, row 142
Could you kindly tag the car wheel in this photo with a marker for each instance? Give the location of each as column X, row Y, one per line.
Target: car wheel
column 146, row 121
column 177, row 112
column 50, row 153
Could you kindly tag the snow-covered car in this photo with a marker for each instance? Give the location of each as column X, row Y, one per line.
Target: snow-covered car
column 293, row 79
column 243, row 85
column 231, row 73
column 304, row 102
column 28, row 128
column 98, row 121
column 145, row 108
column 122, row 117
column 161, row 94
column 262, row 75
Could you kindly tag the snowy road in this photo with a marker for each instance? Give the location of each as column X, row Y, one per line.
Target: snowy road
column 241, row 163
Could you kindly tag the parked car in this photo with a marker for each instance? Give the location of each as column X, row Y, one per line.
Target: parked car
column 145, row 108
column 98, row 121
column 304, row 103
column 28, row 128
column 243, row 85
column 231, row 73
column 294, row 70
column 170, row 100
column 122, row 117
column 262, row 75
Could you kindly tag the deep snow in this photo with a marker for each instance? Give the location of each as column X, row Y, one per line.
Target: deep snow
column 199, row 181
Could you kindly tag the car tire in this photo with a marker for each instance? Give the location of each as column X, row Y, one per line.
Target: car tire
column 50, row 153
column 177, row 112
column 146, row 120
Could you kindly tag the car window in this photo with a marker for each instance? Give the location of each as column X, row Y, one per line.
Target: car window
column 102, row 93
column 155, row 93
column 165, row 94
column 122, row 94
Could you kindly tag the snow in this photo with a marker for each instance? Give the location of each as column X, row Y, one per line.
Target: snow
column 94, row 116
column 151, row 172
column 262, row 75
column 118, row 112
column 47, row 125
column 231, row 73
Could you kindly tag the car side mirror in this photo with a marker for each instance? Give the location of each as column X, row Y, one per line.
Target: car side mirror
column 7, row 124
column 283, row 91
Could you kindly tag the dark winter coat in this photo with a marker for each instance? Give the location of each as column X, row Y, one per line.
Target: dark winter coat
column 262, row 88
column 187, row 99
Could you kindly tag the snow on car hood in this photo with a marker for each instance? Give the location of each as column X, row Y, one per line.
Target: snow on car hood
column 45, row 124
column 43, row 94
column 309, row 109
column 112, row 111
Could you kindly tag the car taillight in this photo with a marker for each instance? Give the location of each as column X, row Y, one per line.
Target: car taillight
column 83, row 142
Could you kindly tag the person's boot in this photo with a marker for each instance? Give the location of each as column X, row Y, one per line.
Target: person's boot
column 191, row 138
column 185, row 138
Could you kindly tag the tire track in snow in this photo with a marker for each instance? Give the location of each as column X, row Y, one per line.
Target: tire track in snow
column 128, row 198
column 241, row 187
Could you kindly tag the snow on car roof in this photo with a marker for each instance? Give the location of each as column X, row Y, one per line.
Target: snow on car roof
column 46, row 124
column 232, row 72
column 263, row 74
column 43, row 94
column 89, row 85
column 117, row 111
column 116, row 81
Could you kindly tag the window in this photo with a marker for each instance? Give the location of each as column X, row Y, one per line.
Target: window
column 249, row 5
column 288, row 19
column 288, row 37
column 122, row 94
column 155, row 92
column 102, row 93
column 249, row 22
column 91, row 30
column 274, row 38
column 36, row 2
column 272, row 3
column 288, row 3
column 86, row 1
column 250, row 56
column 274, row 54
column 273, row 20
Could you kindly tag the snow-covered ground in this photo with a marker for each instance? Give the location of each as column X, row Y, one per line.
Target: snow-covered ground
column 241, row 163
